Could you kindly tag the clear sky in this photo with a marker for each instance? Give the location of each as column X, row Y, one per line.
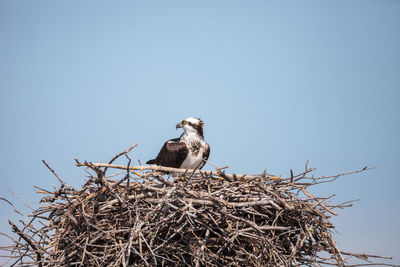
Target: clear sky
column 276, row 83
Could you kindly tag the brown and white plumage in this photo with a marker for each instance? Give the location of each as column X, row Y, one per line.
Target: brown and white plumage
column 189, row 151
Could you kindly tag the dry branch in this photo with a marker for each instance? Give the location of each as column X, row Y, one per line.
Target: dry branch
column 196, row 218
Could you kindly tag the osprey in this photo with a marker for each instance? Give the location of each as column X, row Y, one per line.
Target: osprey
column 189, row 151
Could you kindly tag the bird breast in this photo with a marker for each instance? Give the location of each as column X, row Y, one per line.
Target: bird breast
column 194, row 157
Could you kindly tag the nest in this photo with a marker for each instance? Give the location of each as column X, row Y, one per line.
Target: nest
column 157, row 216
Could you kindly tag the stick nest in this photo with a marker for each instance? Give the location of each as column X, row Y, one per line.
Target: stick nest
column 182, row 218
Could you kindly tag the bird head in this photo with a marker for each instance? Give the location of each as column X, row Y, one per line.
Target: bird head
column 191, row 125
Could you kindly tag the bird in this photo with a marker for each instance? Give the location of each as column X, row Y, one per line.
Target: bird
column 189, row 151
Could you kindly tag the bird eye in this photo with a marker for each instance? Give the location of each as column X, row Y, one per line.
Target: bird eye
column 184, row 122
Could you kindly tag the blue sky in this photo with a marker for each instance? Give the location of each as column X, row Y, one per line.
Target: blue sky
column 277, row 83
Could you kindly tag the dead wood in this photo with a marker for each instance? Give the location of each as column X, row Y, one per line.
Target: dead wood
column 196, row 218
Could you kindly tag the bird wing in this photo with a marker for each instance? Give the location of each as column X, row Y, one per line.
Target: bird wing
column 172, row 154
column 206, row 154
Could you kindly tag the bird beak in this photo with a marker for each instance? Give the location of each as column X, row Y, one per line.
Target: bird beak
column 179, row 125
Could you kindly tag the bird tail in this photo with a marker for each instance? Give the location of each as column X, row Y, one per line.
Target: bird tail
column 152, row 161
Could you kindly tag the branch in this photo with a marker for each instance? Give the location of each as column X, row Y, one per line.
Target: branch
column 28, row 240
column 167, row 169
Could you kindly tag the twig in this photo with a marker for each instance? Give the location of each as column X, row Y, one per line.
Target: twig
column 56, row 175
